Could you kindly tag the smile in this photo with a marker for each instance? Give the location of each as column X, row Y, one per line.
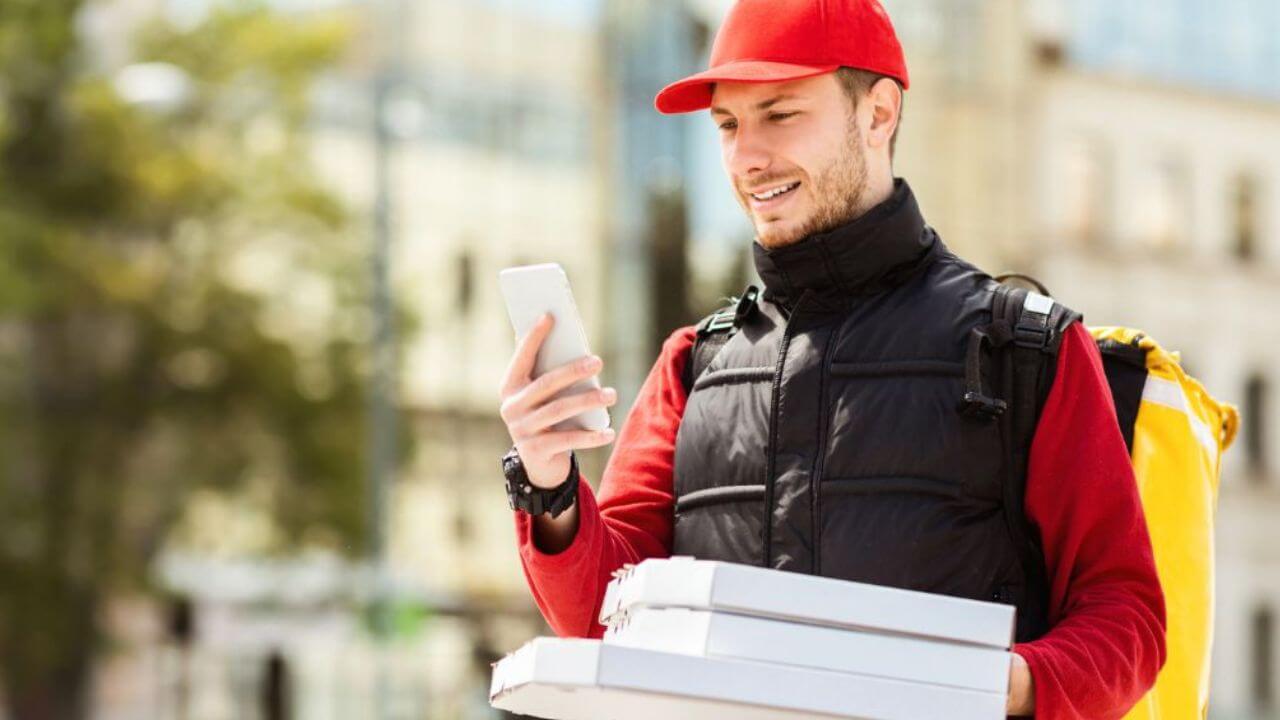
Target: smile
column 775, row 192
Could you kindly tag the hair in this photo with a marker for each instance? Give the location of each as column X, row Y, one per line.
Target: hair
column 856, row 83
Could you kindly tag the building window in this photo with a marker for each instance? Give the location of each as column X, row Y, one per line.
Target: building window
column 465, row 274
column 1164, row 206
column 1087, row 192
column 524, row 122
column 962, row 41
column 1244, row 215
column 1254, row 423
column 1263, row 661
column 463, row 527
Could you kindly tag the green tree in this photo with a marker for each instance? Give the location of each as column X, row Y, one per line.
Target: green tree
column 181, row 308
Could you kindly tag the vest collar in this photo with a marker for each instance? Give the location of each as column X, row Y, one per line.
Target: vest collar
column 874, row 252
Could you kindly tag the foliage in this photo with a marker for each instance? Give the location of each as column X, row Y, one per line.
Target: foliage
column 182, row 308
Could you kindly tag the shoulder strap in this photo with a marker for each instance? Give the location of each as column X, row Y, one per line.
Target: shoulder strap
column 714, row 331
column 1037, row 324
column 1030, row 326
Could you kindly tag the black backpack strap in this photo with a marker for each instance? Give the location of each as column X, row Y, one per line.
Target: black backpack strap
column 1018, row 351
column 1125, row 365
column 1038, row 326
column 714, row 331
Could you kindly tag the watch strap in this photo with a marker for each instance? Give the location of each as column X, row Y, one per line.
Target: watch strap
column 524, row 495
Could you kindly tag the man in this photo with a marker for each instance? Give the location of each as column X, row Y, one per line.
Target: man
column 824, row 437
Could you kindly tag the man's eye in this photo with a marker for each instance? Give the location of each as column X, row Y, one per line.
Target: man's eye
column 728, row 125
column 780, row 115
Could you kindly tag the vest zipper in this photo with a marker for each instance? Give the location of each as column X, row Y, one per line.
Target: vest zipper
column 771, row 464
column 819, row 460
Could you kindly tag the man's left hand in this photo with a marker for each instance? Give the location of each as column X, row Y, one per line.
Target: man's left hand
column 1022, row 690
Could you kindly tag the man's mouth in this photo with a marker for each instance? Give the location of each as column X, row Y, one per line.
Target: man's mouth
column 773, row 192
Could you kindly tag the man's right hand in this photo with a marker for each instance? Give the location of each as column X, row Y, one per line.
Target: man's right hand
column 529, row 410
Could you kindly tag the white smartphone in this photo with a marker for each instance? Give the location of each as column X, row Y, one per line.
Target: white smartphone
column 530, row 291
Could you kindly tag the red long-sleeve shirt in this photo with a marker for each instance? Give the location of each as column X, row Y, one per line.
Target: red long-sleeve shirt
column 1106, row 609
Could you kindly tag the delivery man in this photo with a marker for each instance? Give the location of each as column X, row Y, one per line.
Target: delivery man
column 824, row 437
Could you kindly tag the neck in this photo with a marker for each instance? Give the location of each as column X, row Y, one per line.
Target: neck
column 879, row 249
column 879, row 188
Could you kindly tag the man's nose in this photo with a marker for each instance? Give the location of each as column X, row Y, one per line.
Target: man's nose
column 747, row 154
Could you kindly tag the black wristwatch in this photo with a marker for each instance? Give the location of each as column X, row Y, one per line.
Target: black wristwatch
column 524, row 495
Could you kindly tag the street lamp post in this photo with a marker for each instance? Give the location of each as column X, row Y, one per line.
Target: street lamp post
column 382, row 418
column 382, row 423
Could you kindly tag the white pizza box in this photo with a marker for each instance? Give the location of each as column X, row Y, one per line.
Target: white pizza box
column 810, row 599
column 706, row 633
column 577, row 679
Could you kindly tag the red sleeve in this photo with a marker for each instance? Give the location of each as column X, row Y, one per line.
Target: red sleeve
column 633, row 517
column 1106, row 610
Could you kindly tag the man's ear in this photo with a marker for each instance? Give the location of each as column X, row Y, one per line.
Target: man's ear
column 885, row 101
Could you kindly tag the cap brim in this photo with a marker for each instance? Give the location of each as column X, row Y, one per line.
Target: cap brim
column 694, row 92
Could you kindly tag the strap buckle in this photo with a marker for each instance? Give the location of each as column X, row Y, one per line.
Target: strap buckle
column 981, row 407
column 731, row 318
column 723, row 320
column 1030, row 336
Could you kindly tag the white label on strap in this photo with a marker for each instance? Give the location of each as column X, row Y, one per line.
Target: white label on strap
column 1038, row 303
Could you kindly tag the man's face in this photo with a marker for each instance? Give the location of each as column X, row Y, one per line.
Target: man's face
column 794, row 154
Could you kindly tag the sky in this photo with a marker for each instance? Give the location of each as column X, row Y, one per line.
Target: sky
column 572, row 12
column 1229, row 45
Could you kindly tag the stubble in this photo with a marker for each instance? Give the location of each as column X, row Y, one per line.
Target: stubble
column 839, row 192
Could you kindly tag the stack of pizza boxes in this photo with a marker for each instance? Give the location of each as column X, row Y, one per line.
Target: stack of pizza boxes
column 693, row 638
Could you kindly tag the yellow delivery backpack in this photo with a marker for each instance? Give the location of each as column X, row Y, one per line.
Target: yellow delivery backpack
column 1176, row 434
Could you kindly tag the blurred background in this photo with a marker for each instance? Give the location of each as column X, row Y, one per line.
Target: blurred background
column 250, row 330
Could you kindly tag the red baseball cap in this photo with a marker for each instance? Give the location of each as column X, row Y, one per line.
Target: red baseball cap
column 780, row 40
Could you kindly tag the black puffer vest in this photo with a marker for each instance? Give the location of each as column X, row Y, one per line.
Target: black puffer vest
column 825, row 437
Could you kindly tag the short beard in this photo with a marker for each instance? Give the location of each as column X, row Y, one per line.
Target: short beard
column 839, row 191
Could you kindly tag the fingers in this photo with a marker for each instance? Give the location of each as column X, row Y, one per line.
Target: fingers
column 520, row 368
column 551, row 443
column 557, row 379
column 533, row 394
column 561, row 409
column 529, row 406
